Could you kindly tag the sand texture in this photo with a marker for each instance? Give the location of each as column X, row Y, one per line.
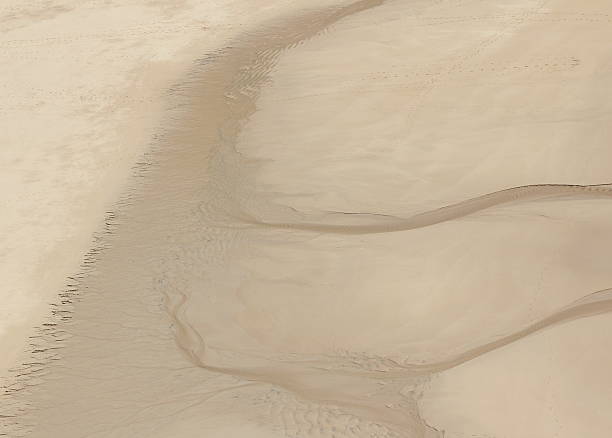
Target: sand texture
column 362, row 219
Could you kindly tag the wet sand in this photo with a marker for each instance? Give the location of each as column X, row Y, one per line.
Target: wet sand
column 384, row 219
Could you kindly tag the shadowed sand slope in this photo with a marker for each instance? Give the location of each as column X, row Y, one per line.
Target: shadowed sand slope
column 350, row 214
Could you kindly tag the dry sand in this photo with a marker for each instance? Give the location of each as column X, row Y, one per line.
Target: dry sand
column 384, row 219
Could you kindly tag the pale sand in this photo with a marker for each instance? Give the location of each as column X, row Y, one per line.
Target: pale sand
column 396, row 228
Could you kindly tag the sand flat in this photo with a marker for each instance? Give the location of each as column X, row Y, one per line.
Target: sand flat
column 459, row 102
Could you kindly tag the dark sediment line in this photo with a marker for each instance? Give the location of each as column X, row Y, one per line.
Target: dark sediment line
column 390, row 224
column 593, row 304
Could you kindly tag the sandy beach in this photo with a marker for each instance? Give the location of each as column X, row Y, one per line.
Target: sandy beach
column 290, row 219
